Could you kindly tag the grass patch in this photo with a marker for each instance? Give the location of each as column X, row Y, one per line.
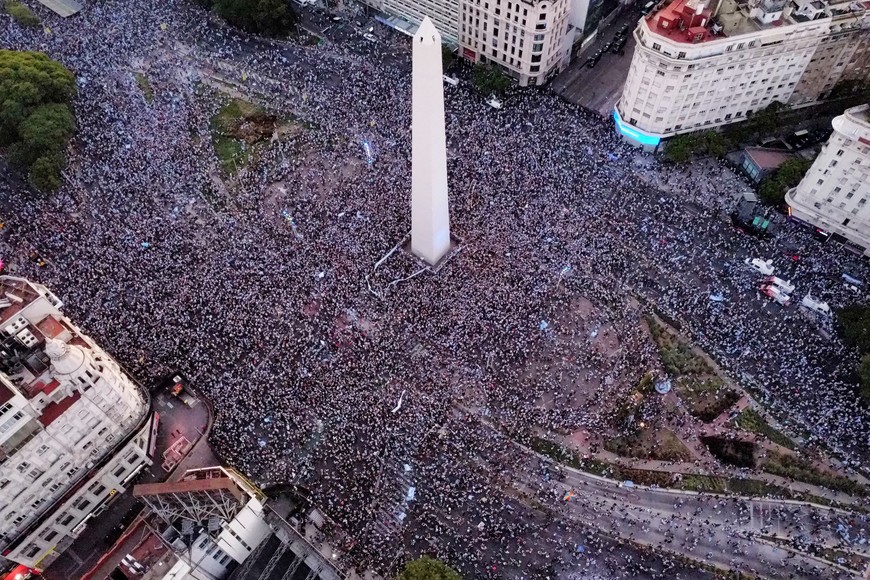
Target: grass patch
column 705, row 399
column 21, row 13
column 659, row 444
column 144, row 86
column 555, row 452
column 730, row 451
column 689, row 482
column 802, row 470
column 751, row 420
column 234, row 149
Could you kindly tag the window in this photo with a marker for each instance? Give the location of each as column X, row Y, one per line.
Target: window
column 657, row 46
column 839, row 153
column 97, row 488
column 49, row 535
column 82, row 504
column 65, row 520
column 22, row 467
column 681, row 55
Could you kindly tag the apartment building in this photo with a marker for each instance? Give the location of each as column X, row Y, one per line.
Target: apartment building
column 833, row 196
column 444, row 14
column 74, row 430
column 529, row 41
column 700, row 64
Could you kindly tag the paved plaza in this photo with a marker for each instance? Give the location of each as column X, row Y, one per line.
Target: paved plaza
column 263, row 281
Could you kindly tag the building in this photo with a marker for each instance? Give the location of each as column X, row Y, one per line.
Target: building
column 221, row 526
column 833, row 195
column 74, row 429
column 759, row 162
column 530, row 41
column 443, row 13
column 700, row 64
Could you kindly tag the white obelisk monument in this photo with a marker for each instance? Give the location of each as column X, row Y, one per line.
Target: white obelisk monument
column 430, row 218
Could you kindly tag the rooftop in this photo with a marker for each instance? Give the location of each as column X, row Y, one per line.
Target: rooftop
column 53, row 411
column 765, row 158
column 698, row 21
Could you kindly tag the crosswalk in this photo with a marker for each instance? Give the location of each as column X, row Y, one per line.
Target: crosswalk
column 397, row 493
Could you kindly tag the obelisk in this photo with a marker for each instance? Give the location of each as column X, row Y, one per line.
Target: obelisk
column 430, row 217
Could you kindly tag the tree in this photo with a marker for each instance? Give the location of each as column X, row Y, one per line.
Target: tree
column 427, row 568
column 489, row 80
column 36, row 120
column 681, row 148
column 774, row 186
column 45, row 173
column 855, row 326
column 864, row 374
column 448, row 58
column 21, row 14
column 265, row 17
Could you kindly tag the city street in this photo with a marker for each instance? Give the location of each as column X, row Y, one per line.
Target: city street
column 283, row 293
column 598, row 88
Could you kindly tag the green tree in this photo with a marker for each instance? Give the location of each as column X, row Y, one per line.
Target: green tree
column 715, row 144
column 36, row 121
column 773, row 187
column 265, row 17
column 680, row 149
column 45, row 173
column 21, row 13
column 855, row 326
column 489, row 80
column 427, row 568
column 448, row 58
column 864, row 374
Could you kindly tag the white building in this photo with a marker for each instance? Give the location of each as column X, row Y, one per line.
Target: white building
column 215, row 521
column 834, row 194
column 443, row 13
column 700, row 64
column 528, row 40
column 73, row 427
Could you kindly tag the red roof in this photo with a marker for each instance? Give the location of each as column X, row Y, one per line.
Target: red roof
column 50, row 327
column 681, row 22
column 54, row 410
column 5, row 393
column 44, row 388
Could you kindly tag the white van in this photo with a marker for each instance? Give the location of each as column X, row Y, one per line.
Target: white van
column 776, row 294
column 761, row 266
column 494, row 103
column 811, row 303
column 450, row 80
column 784, row 285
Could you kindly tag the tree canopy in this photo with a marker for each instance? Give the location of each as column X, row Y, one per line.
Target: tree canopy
column 854, row 322
column 681, row 148
column 489, row 80
column 36, row 120
column 427, row 568
column 789, row 174
column 265, row 17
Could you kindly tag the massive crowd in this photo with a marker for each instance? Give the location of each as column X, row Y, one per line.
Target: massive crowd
column 276, row 321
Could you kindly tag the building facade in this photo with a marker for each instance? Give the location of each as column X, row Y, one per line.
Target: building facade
column 74, row 428
column 834, row 194
column 444, row 14
column 530, row 41
column 702, row 64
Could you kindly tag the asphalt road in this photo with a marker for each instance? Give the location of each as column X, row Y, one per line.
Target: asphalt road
column 723, row 532
column 600, row 87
